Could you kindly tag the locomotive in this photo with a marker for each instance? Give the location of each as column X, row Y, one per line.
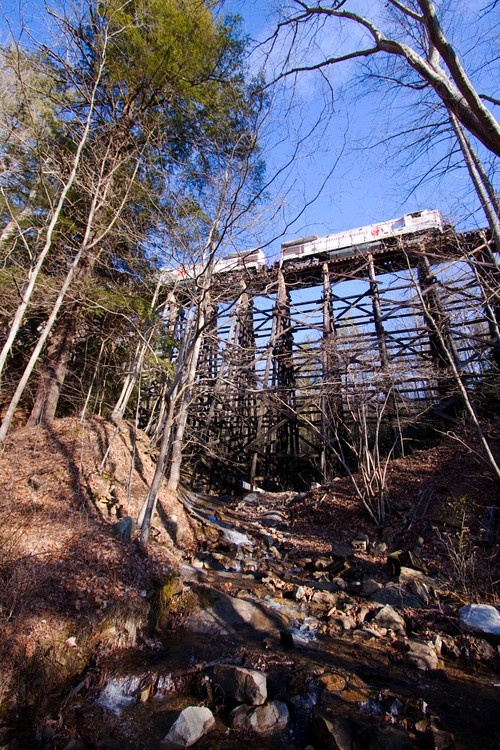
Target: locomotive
column 341, row 244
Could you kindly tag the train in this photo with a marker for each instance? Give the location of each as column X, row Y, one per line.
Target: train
column 251, row 260
column 343, row 244
column 331, row 246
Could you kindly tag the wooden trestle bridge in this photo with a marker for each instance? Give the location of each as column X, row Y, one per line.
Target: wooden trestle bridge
column 295, row 360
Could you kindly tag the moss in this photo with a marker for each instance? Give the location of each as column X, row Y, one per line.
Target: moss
column 172, row 604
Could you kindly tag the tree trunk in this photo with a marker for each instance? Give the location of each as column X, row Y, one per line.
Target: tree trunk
column 175, row 423
column 34, row 272
column 54, row 370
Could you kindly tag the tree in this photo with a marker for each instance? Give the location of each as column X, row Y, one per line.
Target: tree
column 224, row 196
column 422, row 48
column 413, row 54
column 134, row 127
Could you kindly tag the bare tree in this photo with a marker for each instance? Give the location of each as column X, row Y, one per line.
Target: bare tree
column 54, row 216
column 420, row 21
column 413, row 53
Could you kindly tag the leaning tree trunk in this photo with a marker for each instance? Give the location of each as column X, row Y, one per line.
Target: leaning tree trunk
column 54, row 368
column 482, row 185
column 170, row 453
column 53, row 372
column 34, row 272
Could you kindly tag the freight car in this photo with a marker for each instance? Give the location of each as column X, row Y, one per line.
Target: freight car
column 343, row 244
column 251, row 260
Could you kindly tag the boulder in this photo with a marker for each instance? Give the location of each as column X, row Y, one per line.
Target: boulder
column 271, row 717
column 217, row 613
column 387, row 617
column 191, row 724
column 241, row 685
column 421, row 591
column 483, row 619
column 421, row 655
column 342, row 549
column 369, row 587
column 124, row 529
column 325, row 598
column 390, row 738
column 330, row 733
column 397, row 596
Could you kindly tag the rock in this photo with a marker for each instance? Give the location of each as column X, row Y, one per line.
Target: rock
column 341, row 549
column 330, row 733
column 402, row 558
column 421, row 591
column 391, row 738
column 369, row 587
column 271, row 717
column 273, row 518
column 440, row 739
column 397, row 596
column 449, row 647
column 482, row 650
column 437, row 738
column 332, row 682
column 325, row 598
column 422, row 655
column 232, row 536
column 218, row 613
column 268, row 541
column 124, row 529
column 175, row 529
column 191, row 724
column 301, row 592
column 387, row 617
column 406, row 575
column 480, row 618
column 368, row 631
column 340, row 583
column 242, row 685
column 347, row 623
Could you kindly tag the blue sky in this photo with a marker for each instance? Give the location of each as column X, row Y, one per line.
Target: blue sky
column 366, row 184
column 360, row 185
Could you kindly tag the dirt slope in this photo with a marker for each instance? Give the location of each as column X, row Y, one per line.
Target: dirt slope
column 71, row 592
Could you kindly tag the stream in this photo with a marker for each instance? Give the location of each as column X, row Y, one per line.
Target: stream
column 349, row 681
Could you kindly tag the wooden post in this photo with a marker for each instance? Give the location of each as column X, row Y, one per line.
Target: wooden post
column 441, row 343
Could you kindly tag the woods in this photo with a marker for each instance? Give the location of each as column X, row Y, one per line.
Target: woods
column 249, row 374
column 130, row 145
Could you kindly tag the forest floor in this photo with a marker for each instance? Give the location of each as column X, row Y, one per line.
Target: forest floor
column 64, row 573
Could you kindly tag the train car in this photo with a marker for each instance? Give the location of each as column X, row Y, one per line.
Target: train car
column 251, row 260
column 333, row 244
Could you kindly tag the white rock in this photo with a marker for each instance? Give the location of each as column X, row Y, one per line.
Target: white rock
column 422, row 655
column 480, row 618
column 387, row 617
column 190, row 725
